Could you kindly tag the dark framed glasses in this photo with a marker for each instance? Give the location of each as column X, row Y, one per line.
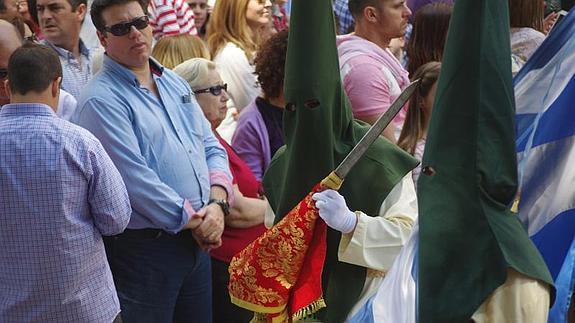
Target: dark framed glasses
column 214, row 90
column 3, row 73
column 124, row 28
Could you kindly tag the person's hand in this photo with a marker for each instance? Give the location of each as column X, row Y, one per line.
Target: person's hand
column 212, row 226
column 333, row 210
column 194, row 221
column 549, row 21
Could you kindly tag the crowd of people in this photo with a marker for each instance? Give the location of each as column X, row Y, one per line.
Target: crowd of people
column 135, row 136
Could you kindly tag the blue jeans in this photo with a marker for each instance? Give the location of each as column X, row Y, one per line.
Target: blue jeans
column 160, row 278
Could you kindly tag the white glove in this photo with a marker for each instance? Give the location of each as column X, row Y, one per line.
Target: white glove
column 334, row 211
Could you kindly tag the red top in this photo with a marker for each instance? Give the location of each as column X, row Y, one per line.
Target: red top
column 235, row 240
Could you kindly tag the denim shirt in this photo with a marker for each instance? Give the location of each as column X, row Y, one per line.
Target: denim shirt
column 164, row 148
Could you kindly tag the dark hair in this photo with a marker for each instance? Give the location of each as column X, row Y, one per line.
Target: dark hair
column 34, row 11
column 417, row 119
column 33, row 67
column 356, row 6
column 98, row 6
column 3, row 6
column 76, row 3
column 526, row 13
column 270, row 64
column 429, row 35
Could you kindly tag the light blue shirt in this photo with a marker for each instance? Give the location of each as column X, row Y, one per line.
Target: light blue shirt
column 76, row 72
column 164, row 148
column 59, row 193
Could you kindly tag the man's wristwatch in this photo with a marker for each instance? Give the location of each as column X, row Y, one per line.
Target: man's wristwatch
column 223, row 204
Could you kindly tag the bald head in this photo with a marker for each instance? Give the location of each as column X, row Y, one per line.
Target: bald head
column 10, row 40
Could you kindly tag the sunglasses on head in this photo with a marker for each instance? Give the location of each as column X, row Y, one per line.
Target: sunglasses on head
column 124, row 28
column 214, row 90
column 3, row 73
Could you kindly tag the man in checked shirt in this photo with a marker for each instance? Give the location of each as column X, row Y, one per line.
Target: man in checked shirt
column 60, row 192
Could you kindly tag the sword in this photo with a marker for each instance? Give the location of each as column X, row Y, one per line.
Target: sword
column 335, row 179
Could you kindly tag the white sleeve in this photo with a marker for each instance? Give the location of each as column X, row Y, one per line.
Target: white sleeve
column 376, row 241
column 66, row 105
column 236, row 71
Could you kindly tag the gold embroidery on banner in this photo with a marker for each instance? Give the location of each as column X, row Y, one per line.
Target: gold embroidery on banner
column 280, row 255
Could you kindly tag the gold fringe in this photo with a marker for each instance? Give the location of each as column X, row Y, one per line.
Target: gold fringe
column 308, row 310
column 281, row 317
column 515, row 205
column 255, row 307
column 332, row 181
column 259, row 318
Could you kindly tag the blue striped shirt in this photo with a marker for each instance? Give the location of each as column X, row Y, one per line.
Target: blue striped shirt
column 59, row 194
column 76, row 72
column 163, row 147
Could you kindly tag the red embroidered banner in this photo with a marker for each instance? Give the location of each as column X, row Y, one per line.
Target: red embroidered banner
column 278, row 276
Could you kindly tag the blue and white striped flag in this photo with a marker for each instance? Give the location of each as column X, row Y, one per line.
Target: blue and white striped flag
column 545, row 107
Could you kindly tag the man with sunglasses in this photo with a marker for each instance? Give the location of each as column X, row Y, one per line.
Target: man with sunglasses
column 176, row 172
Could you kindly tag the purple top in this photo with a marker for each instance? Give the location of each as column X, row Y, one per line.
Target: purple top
column 251, row 141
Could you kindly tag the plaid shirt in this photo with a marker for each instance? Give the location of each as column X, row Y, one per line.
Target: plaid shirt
column 60, row 193
column 343, row 15
column 76, row 73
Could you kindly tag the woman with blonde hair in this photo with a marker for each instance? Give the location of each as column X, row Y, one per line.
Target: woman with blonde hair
column 414, row 131
column 245, row 221
column 173, row 50
column 234, row 32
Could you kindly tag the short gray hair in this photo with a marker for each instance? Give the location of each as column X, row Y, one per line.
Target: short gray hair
column 195, row 71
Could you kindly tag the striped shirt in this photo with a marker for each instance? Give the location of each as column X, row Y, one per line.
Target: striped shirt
column 60, row 192
column 171, row 18
column 76, row 72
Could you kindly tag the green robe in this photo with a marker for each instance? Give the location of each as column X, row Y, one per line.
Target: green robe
column 468, row 236
column 319, row 132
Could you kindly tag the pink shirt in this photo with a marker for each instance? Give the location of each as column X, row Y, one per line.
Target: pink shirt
column 372, row 77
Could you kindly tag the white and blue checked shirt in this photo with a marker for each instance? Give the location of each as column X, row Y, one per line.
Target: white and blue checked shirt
column 344, row 17
column 76, row 73
column 59, row 194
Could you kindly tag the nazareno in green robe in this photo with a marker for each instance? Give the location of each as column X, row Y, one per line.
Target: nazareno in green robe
column 319, row 132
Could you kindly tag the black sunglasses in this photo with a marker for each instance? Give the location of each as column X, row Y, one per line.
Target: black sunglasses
column 214, row 90
column 124, row 28
column 3, row 73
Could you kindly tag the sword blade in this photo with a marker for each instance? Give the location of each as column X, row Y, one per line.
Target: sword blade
column 371, row 135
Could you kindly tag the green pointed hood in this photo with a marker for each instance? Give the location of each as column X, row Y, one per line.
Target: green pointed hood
column 319, row 132
column 468, row 236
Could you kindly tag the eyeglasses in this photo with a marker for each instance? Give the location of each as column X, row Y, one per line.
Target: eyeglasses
column 124, row 28
column 214, row 90
column 3, row 73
